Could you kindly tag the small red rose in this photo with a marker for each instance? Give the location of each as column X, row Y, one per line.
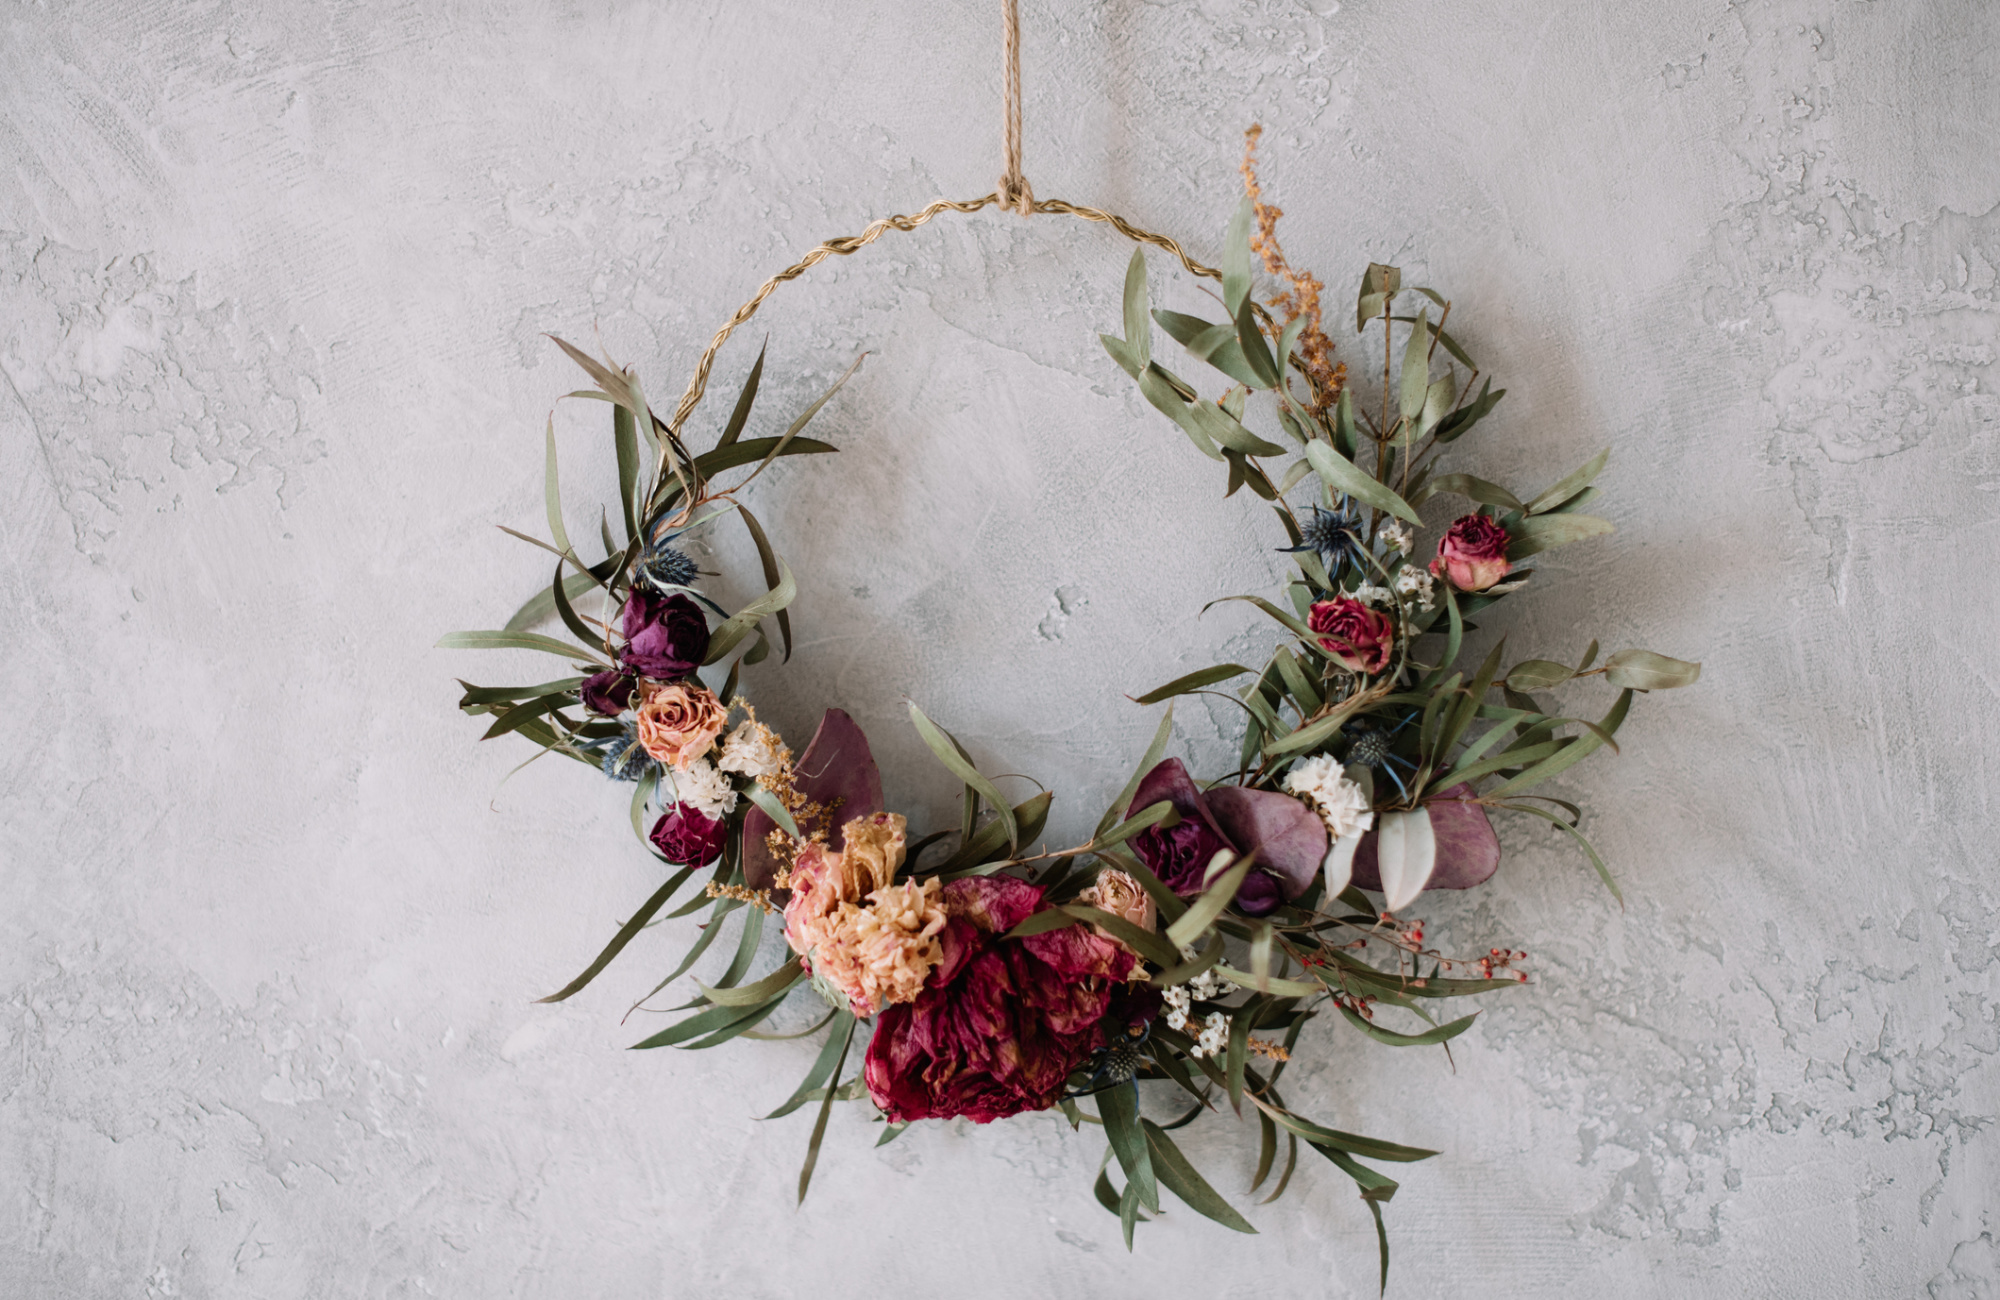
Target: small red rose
column 1473, row 553
column 1358, row 636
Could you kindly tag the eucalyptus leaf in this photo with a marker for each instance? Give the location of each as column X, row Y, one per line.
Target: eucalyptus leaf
column 1348, row 479
column 1642, row 670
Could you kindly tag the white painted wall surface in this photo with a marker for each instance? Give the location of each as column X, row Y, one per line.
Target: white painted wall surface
column 272, row 284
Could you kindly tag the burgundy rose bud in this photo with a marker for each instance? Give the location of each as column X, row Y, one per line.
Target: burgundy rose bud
column 608, row 692
column 1472, row 553
column 1358, row 636
column 1259, row 895
column 688, row 837
column 665, row 636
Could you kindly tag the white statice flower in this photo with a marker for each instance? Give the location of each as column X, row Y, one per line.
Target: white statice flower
column 703, row 788
column 1414, row 580
column 753, row 750
column 1341, row 803
column 1176, row 999
column 1214, row 1036
column 1372, row 595
column 1395, row 535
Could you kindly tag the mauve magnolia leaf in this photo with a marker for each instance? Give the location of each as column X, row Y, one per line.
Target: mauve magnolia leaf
column 1468, row 850
column 837, row 766
column 1289, row 838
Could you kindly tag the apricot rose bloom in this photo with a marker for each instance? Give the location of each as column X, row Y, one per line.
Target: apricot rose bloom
column 1119, row 894
column 678, row 722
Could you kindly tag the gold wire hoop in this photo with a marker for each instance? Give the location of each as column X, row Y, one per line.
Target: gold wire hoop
column 846, row 244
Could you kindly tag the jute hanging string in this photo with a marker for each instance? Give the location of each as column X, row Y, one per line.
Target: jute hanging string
column 1013, row 193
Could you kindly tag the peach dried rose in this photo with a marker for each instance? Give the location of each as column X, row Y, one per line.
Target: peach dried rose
column 678, row 723
column 873, row 851
column 1119, row 894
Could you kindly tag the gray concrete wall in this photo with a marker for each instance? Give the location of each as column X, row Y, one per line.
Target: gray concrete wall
column 272, row 285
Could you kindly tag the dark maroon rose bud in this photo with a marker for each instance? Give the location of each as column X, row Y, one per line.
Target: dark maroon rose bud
column 1473, row 553
column 1358, row 636
column 688, row 837
column 608, row 692
column 1259, row 894
column 666, row 637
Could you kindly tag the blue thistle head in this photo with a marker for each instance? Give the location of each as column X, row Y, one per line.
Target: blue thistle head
column 621, row 756
column 662, row 565
column 1334, row 535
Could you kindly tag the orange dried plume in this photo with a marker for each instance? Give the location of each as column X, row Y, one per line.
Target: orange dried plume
column 1315, row 350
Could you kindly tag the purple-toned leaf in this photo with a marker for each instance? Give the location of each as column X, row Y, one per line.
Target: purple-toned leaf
column 1468, row 850
column 1289, row 838
column 837, row 770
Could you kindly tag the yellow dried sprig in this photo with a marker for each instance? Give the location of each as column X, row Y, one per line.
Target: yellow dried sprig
column 1323, row 374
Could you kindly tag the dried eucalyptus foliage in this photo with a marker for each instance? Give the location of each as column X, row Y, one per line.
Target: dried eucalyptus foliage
column 1187, row 944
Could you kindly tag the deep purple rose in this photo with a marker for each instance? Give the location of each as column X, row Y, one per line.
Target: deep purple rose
column 688, row 837
column 1288, row 839
column 1001, row 1023
column 666, row 637
column 608, row 692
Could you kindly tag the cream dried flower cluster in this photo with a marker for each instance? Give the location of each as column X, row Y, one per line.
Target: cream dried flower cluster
column 1341, row 803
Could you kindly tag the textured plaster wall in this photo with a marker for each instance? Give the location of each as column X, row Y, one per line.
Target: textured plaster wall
column 273, row 279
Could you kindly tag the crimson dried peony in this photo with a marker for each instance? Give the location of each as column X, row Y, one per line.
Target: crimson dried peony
column 1358, row 636
column 688, row 837
column 1002, row 1023
column 665, row 636
column 1472, row 553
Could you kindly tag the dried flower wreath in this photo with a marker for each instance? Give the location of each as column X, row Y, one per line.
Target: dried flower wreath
column 1204, row 923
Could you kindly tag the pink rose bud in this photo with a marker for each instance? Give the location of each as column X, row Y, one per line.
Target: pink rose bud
column 1358, row 636
column 1473, row 553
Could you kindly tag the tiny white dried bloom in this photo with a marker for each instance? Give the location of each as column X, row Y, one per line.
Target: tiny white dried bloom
column 703, row 788
column 1340, row 802
column 1395, row 534
column 1372, row 595
column 1414, row 580
column 754, row 750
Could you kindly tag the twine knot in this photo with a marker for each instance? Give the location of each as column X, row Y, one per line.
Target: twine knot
column 1014, row 191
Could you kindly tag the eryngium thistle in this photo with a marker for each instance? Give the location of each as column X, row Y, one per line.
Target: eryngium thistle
column 1334, row 535
column 662, row 566
column 622, row 757
column 1121, row 1062
column 1368, row 748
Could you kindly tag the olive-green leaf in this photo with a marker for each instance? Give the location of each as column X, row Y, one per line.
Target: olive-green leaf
column 1181, row 1178
column 1415, row 382
column 1570, row 486
column 1538, row 675
column 1344, row 476
column 1236, row 261
column 1203, row 911
column 512, row 641
column 1193, row 681
column 947, row 753
column 1642, row 670
column 1538, row 533
column 1138, row 324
